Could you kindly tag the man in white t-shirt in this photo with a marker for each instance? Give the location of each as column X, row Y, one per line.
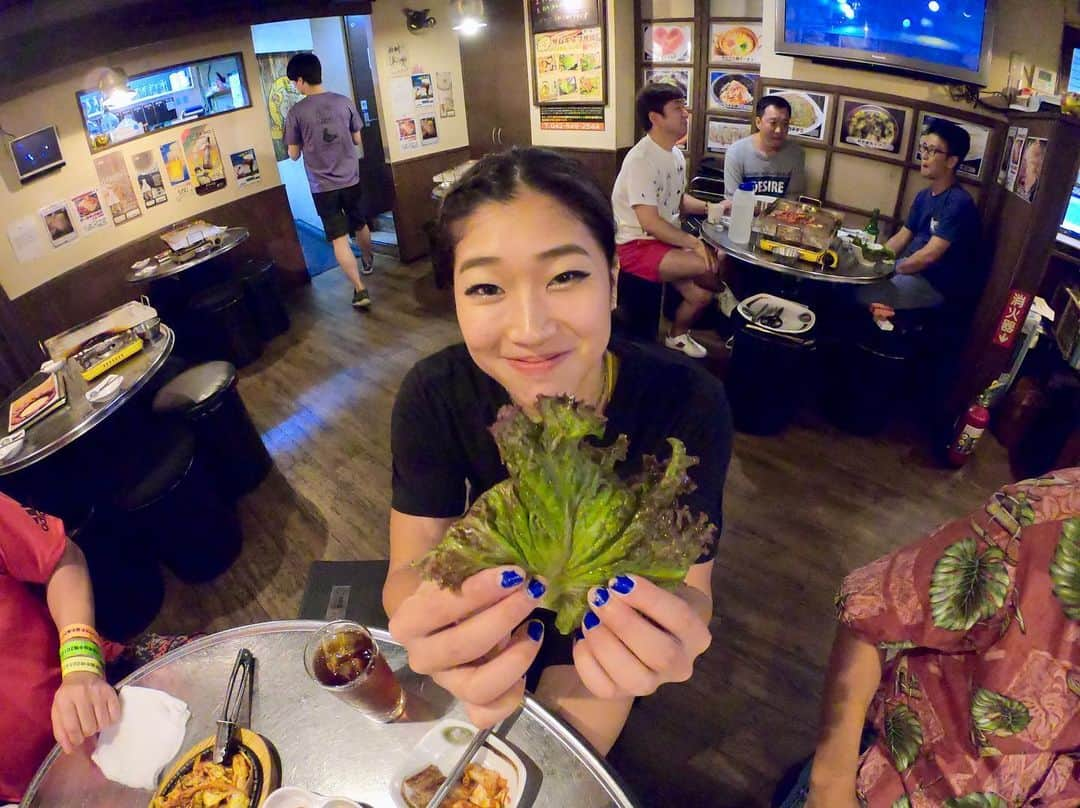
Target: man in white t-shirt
column 648, row 198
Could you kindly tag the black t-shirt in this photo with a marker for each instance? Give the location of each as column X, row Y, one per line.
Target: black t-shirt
column 444, row 456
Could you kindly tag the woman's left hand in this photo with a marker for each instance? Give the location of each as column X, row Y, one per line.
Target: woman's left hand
column 638, row 636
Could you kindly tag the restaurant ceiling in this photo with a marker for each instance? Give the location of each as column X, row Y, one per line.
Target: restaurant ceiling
column 40, row 36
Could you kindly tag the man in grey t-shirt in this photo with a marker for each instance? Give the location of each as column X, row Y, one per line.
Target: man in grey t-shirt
column 325, row 127
column 766, row 158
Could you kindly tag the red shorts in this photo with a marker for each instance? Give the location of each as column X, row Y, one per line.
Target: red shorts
column 642, row 257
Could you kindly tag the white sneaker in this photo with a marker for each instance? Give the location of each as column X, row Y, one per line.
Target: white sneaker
column 687, row 344
column 726, row 301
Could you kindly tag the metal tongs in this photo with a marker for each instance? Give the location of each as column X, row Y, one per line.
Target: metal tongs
column 237, row 697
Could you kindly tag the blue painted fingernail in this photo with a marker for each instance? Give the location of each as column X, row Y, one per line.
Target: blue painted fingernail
column 536, row 589
column 578, row 634
column 535, row 630
column 600, row 597
column 591, row 620
column 510, row 579
column 622, row 584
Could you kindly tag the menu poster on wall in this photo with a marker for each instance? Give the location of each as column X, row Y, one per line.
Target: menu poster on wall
column 429, row 132
column 721, row 133
column 571, row 118
column 556, row 15
column 397, row 58
column 733, row 92
column 668, row 42
column 1030, row 168
column 117, row 192
column 204, row 157
column 423, row 92
column 280, row 95
column 27, row 241
column 148, row 178
column 406, row 130
column 401, row 96
column 245, row 166
column 1003, row 171
column 873, row 126
column 1014, row 157
column 175, row 165
column 980, row 136
column 90, row 211
column 680, row 77
column 58, row 222
column 569, row 66
column 735, row 42
column 444, row 95
column 809, row 112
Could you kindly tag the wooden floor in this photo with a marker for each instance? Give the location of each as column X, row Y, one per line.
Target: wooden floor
column 801, row 510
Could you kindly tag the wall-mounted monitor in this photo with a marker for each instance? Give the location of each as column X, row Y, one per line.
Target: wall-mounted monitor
column 36, row 153
column 169, row 96
column 947, row 39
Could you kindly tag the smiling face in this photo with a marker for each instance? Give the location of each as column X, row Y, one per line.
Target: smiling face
column 533, row 292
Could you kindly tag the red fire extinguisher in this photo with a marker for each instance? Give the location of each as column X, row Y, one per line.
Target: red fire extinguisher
column 969, row 429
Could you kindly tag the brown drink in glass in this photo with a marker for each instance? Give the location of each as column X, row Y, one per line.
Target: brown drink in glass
column 343, row 658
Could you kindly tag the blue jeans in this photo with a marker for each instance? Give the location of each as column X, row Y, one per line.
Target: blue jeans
column 901, row 292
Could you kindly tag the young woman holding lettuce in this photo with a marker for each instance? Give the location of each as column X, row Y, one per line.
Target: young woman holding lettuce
column 531, row 242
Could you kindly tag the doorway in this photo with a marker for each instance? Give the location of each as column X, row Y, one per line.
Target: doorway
column 344, row 49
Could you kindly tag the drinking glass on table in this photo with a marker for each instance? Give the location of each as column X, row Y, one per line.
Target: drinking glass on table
column 344, row 659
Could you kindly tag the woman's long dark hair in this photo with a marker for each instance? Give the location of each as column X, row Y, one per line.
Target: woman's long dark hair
column 499, row 178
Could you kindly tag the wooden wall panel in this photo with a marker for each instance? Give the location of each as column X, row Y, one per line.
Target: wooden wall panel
column 602, row 165
column 99, row 285
column 413, row 204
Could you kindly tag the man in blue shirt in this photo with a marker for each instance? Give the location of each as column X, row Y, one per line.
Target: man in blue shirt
column 938, row 244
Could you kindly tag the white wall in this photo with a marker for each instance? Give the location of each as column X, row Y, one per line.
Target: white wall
column 51, row 100
column 431, row 51
column 281, row 37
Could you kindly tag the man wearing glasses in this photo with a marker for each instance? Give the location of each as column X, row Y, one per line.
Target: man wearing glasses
column 938, row 244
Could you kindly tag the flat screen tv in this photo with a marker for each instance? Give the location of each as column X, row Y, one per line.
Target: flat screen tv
column 36, row 153
column 942, row 38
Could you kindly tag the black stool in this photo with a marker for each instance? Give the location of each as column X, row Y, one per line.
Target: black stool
column 170, row 499
column 125, row 576
column 206, row 397
column 259, row 281
column 220, row 326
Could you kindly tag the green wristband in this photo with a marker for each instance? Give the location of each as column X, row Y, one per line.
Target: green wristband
column 74, row 648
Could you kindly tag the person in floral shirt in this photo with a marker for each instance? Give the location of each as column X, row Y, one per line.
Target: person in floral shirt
column 963, row 652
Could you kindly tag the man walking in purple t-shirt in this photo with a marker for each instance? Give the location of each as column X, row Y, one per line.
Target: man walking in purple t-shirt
column 325, row 126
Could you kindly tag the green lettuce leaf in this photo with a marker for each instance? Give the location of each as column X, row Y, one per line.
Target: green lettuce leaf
column 566, row 516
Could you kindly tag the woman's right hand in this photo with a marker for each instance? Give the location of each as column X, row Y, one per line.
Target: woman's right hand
column 466, row 641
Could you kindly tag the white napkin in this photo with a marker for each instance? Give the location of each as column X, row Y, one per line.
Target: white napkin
column 148, row 735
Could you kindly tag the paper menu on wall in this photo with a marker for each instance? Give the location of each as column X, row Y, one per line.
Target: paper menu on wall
column 1014, row 158
column 27, row 239
column 401, row 96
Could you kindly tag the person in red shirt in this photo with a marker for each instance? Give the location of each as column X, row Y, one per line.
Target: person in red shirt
column 44, row 591
column 963, row 651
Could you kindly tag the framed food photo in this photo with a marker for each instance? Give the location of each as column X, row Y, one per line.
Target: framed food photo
column 972, row 166
column 735, row 42
column 667, row 42
column 723, row 132
column 731, row 92
column 874, row 127
column 568, row 67
column 680, row 77
column 809, row 112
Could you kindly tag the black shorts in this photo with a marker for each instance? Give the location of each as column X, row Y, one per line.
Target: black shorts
column 342, row 211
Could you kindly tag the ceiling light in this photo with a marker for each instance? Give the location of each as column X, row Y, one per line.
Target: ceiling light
column 467, row 16
column 113, row 85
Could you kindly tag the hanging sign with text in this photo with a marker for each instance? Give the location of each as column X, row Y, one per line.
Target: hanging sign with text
column 556, row 15
column 589, row 119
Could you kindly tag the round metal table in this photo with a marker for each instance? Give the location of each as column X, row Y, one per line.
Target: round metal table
column 325, row 745
column 79, row 416
column 848, row 271
column 233, row 237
